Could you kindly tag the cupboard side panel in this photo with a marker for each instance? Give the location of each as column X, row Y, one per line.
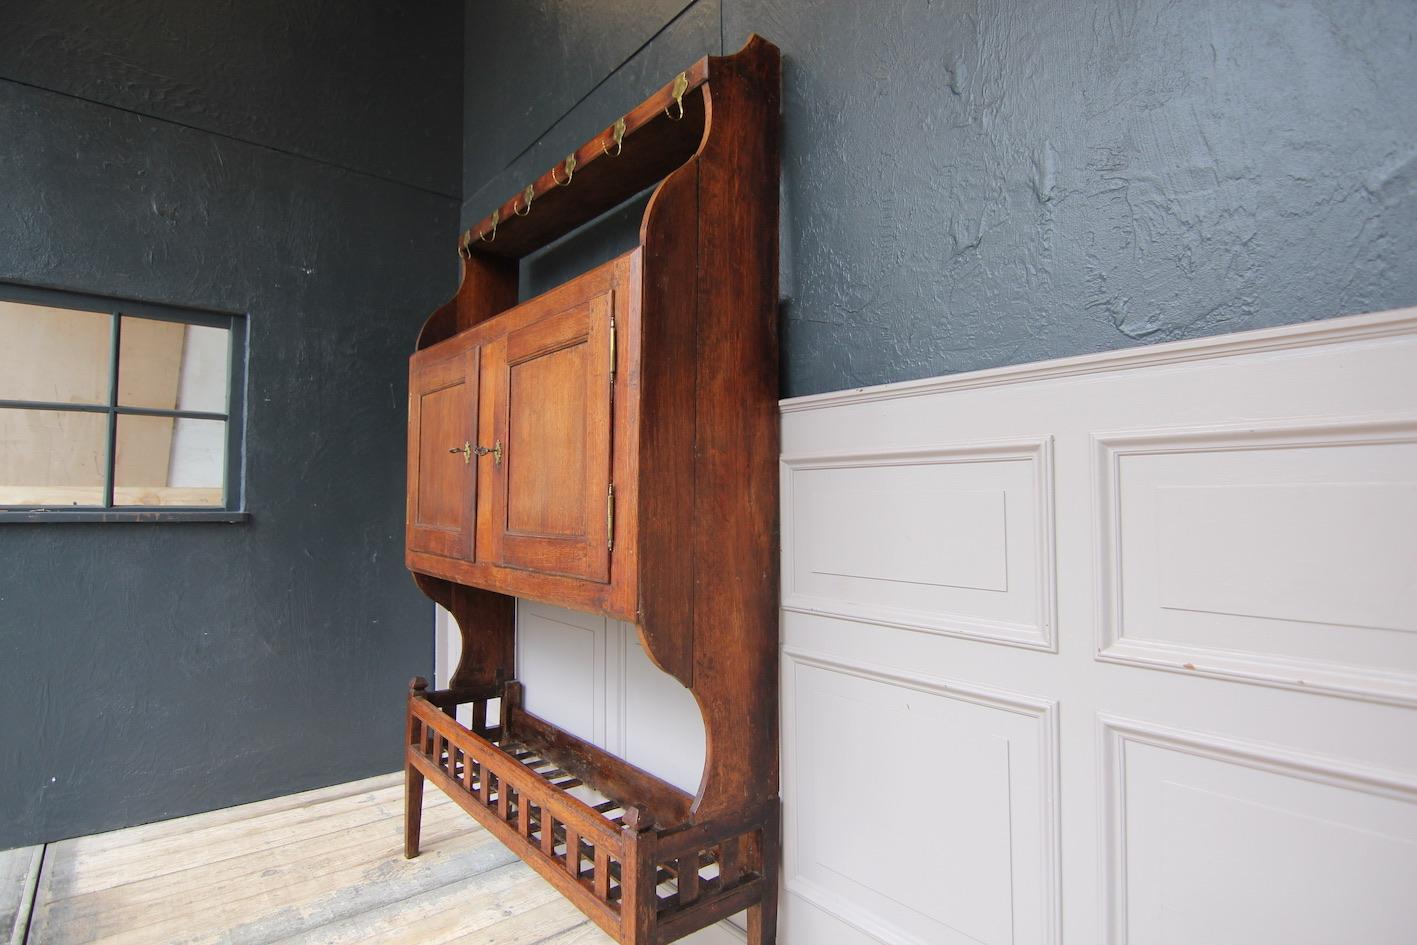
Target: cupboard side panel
column 665, row 361
column 736, row 497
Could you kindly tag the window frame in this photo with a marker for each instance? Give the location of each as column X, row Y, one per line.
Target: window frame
column 233, row 479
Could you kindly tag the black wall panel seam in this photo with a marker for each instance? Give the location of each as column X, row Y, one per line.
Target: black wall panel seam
column 606, row 78
column 217, row 134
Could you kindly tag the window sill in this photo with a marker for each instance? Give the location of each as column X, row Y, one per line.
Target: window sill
column 119, row 516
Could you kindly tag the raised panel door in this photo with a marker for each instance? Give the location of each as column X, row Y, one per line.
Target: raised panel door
column 551, row 502
column 442, row 443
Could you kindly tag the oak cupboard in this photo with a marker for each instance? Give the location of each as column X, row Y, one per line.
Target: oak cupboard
column 611, row 445
column 521, row 488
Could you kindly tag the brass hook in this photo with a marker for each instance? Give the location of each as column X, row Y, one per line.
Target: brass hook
column 681, row 85
column 496, row 215
column 528, row 196
column 570, row 166
column 465, row 245
column 617, row 134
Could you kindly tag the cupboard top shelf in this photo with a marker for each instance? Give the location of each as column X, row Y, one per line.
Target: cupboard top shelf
column 640, row 149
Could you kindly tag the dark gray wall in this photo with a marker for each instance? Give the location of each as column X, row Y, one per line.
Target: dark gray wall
column 972, row 184
column 157, row 670
column 531, row 95
column 371, row 86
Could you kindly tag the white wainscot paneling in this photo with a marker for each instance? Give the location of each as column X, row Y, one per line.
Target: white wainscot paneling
column 591, row 676
column 561, row 660
column 663, row 730
column 1227, row 843
column 950, row 539
column 1282, row 554
column 920, row 810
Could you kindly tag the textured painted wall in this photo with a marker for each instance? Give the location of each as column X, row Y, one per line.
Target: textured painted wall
column 566, row 48
column 536, row 79
column 157, row 670
column 972, row 184
column 371, row 86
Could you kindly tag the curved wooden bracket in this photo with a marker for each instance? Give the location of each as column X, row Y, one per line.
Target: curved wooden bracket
column 486, row 624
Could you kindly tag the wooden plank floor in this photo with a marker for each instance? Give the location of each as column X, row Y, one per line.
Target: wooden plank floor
column 19, row 876
column 322, row 867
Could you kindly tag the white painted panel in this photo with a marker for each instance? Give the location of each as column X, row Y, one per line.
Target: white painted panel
column 1251, row 532
column 1235, row 871
column 959, row 846
column 1326, row 553
column 591, row 677
column 949, row 539
column 882, row 527
column 1284, row 553
column 560, row 661
column 1231, row 844
column 663, row 728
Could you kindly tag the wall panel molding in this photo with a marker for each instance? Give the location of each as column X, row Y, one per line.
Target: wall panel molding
column 1036, row 898
column 1116, row 734
column 1350, row 328
column 1293, row 469
column 591, row 676
column 567, row 654
column 1010, row 600
column 1237, row 509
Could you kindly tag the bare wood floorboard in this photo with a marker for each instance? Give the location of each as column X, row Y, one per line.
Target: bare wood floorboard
column 321, row 868
column 19, row 876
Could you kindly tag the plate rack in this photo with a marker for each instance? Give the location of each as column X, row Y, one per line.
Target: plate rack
column 611, row 446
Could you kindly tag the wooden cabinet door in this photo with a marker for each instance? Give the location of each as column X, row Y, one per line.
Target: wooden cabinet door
column 551, row 502
column 442, row 462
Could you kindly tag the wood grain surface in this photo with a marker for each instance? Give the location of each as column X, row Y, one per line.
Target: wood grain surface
column 325, row 866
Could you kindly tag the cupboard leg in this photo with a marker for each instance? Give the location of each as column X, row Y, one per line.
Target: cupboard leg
column 762, row 921
column 412, row 777
column 638, row 899
column 762, row 918
column 412, row 811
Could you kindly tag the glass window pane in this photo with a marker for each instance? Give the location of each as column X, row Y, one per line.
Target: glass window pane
column 169, row 461
column 52, row 458
column 206, row 361
column 168, row 365
column 53, row 354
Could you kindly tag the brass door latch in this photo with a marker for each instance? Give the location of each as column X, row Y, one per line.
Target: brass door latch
column 496, row 452
column 468, row 451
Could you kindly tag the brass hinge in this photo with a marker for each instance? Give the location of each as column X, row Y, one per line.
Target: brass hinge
column 610, row 518
column 612, row 351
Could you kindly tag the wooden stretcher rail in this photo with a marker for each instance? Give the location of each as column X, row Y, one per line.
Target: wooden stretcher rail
column 516, row 776
column 607, row 856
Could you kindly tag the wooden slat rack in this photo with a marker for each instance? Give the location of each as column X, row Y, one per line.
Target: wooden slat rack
column 522, row 781
column 611, row 446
